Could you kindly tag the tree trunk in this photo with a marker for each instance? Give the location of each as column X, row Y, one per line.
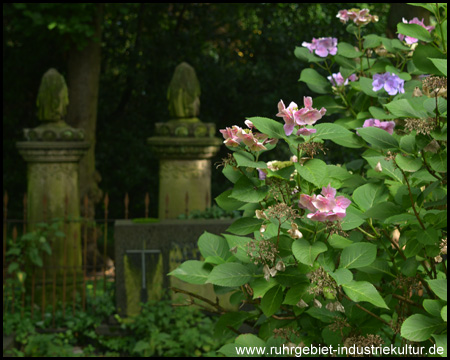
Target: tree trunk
column 83, row 79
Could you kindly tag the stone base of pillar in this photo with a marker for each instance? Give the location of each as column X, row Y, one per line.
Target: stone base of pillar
column 185, row 167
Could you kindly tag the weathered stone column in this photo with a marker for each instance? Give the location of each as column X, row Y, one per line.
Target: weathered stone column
column 184, row 146
column 52, row 152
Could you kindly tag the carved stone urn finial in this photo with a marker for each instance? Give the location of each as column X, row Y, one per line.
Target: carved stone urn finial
column 53, row 97
column 184, row 93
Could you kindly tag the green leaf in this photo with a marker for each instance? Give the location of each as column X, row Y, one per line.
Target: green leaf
column 419, row 327
column 272, row 300
column 387, row 166
column 414, row 30
column 441, row 65
column 407, row 108
column 408, row 163
column 246, row 159
column 433, row 307
column 364, row 291
column 367, row 87
column 250, row 345
column 439, row 287
column 371, row 41
column 380, row 114
column 429, row 236
column 328, row 103
column 358, row 255
column 441, row 342
column 213, row 245
column 291, row 277
column 379, row 138
column 245, row 226
column 339, row 242
column 238, row 243
column 444, row 313
column 342, row 276
column 383, row 210
column 408, row 143
column 231, row 173
column 304, row 54
column 269, row 127
column 297, row 293
column 413, row 247
column 192, row 272
column 379, row 266
column 348, row 51
column 230, row 274
column 339, row 135
column 260, row 286
column 230, row 319
column 315, row 81
column 245, row 190
column 421, row 58
column 322, row 314
column 370, row 194
column 438, row 162
column 353, row 218
column 307, row 253
column 314, row 171
column 228, row 203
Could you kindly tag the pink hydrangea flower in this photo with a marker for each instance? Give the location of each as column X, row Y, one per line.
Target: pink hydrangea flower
column 308, row 115
column 323, row 46
column 385, row 125
column 359, row 17
column 338, row 79
column 390, row 82
column 325, row 207
column 410, row 40
column 235, row 135
column 288, row 116
column 293, row 116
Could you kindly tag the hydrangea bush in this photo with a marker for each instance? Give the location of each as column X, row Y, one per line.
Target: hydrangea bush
column 341, row 254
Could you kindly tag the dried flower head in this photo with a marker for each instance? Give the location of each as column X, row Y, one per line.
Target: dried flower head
column 338, row 324
column 312, row 148
column 422, row 126
column 362, row 342
column 262, row 252
column 282, row 212
column 433, row 86
column 322, row 280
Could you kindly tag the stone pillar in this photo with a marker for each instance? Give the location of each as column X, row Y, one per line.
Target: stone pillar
column 184, row 146
column 52, row 152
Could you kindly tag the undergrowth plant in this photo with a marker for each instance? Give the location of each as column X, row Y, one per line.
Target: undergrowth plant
column 351, row 254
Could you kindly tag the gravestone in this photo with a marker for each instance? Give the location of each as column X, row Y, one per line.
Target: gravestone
column 52, row 151
column 176, row 242
column 184, row 146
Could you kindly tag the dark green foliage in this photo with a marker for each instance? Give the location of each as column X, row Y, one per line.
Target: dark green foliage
column 241, row 52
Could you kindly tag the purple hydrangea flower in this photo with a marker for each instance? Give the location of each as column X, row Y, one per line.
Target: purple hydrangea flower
column 338, row 79
column 390, row 82
column 322, row 46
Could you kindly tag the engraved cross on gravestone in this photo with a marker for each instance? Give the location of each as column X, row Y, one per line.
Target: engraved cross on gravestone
column 143, row 253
